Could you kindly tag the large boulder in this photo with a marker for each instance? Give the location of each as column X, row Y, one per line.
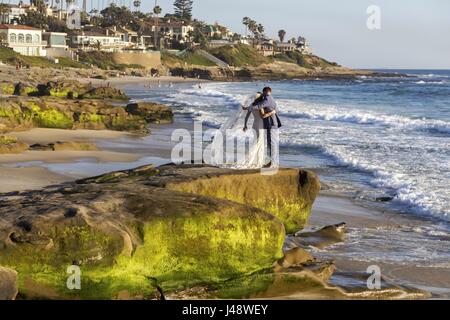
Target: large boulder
column 8, row 284
column 137, row 230
column 22, row 89
column 290, row 193
column 151, row 112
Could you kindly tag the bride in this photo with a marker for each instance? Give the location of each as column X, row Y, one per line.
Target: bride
column 218, row 152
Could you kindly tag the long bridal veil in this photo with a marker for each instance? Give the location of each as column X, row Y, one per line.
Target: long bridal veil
column 233, row 148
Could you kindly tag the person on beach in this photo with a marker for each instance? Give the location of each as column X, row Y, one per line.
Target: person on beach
column 264, row 110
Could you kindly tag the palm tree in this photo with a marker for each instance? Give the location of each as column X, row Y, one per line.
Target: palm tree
column 260, row 29
column 246, row 22
column 137, row 5
column 4, row 9
column 157, row 11
column 253, row 27
column 282, row 35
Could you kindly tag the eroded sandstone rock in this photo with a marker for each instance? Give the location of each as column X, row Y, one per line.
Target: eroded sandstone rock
column 109, row 93
column 151, row 112
column 139, row 229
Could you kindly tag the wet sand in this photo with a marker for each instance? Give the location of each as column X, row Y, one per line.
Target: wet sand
column 32, row 169
column 332, row 209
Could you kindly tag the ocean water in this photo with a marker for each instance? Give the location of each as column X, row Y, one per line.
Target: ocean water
column 368, row 138
column 373, row 137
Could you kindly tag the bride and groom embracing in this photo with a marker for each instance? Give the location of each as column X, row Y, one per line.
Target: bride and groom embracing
column 265, row 124
column 263, row 149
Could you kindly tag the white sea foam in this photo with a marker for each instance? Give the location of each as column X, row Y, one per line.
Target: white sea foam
column 332, row 113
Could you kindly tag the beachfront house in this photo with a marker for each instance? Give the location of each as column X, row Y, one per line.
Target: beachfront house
column 93, row 40
column 218, row 32
column 302, row 46
column 23, row 39
column 174, row 30
column 285, row 47
column 56, row 44
column 129, row 37
column 266, row 48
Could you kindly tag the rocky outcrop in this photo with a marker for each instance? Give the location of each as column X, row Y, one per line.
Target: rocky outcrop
column 8, row 284
column 276, row 70
column 322, row 238
column 70, row 89
column 151, row 112
column 65, row 146
column 109, row 93
column 25, row 113
column 205, row 73
column 135, row 231
column 63, row 89
column 22, row 89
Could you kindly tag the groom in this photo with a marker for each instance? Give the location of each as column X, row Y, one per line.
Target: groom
column 267, row 108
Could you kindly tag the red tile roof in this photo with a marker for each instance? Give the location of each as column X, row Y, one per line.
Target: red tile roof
column 16, row 27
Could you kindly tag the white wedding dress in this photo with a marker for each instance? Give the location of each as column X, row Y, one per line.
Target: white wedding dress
column 247, row 150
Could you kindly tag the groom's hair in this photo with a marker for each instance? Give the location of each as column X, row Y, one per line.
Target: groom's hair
column 267, row 90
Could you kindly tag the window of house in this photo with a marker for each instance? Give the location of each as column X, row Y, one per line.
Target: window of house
column 37, row 39
column 13, row 37
column 28, row 38
column 21, row 38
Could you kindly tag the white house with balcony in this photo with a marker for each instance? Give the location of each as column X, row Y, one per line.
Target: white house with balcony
column 23, row 39
column 175, row 30
column 90, row 41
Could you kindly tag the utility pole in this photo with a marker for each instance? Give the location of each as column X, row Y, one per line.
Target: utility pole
column 84, row 6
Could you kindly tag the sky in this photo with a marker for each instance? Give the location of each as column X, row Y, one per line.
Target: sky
column 414, row 34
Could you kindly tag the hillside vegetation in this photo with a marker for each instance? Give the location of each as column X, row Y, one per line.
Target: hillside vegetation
column 240, row 56
column 305, row 61
column 11, row 57
column 191, row 58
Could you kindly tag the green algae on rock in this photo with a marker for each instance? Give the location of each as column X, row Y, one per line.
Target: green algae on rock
column 131, row 231
column 20, row 113
column 291, row 194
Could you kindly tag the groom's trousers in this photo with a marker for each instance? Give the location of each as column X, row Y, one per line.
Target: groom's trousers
column 273, row 148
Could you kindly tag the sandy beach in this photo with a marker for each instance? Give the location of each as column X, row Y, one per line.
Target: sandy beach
column 29, row 174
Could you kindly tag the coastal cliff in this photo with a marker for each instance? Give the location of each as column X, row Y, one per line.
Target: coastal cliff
column 139, row 230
